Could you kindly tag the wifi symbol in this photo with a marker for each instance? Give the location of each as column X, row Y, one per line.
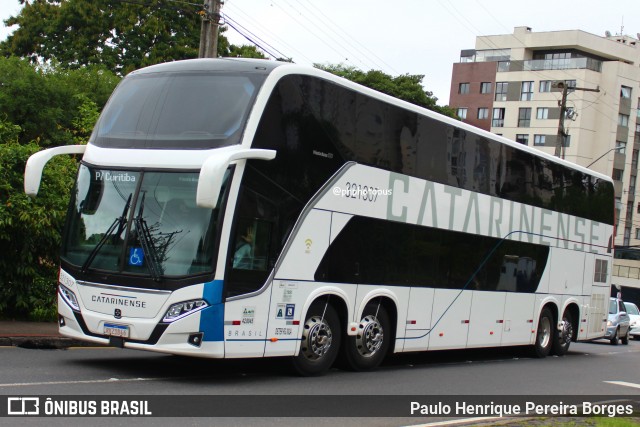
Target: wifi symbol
column 308, row 243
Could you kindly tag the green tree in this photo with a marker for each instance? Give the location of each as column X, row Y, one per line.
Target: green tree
column 30, row 229
column 119, row 35
column 44, row 101
column 407, row 87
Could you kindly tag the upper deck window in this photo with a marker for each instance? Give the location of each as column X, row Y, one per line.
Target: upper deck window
column 177, row 110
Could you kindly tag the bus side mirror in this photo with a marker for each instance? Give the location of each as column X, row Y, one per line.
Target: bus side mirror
column 213, row 170
column 35, row 165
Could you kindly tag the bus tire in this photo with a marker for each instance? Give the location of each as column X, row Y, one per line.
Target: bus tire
column 321, row 335
column 563, row 336
column 368, row 348
column 545, row 334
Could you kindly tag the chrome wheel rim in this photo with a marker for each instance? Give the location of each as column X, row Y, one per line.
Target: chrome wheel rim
column 566, row 331
column 544, row 335
column 370, row 336
column 316, row 338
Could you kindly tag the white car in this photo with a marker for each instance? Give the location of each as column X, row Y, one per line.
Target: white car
column 634, row 319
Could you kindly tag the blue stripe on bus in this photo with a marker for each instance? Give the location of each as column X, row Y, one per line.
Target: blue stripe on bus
column 212, row 317
column 263, row 340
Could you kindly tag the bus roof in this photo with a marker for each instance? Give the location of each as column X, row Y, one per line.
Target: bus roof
column 276, row 70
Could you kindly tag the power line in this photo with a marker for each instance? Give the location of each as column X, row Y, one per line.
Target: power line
column 251, row 40
column 231, row 21
column 256, row 24
column 329, row 23
column 306, row 28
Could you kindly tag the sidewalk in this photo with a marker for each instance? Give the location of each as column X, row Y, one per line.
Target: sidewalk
column 43, row 335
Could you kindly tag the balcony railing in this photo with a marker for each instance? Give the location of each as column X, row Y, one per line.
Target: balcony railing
column 626, row 271
column 551, row 64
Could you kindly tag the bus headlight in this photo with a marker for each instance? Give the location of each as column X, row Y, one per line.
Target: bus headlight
column 182, row 309
column 69, row 297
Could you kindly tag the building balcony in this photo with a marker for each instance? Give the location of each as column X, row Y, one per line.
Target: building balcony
column 551, row 64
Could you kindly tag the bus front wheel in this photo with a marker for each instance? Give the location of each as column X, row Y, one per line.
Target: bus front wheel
column 367, row 349
column 545, row 334
column 321, row 335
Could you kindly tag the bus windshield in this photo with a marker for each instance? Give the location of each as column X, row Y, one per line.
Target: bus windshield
column 139, row 222
column 177, row 110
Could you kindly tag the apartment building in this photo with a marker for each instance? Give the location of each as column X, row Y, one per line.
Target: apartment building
column 512, row 85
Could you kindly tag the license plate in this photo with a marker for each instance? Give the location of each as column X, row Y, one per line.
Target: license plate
column 116, row 330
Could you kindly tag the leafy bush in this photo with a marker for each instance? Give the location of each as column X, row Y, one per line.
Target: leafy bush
column 30, row 229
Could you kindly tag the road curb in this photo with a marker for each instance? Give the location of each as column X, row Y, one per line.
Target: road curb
column 44, row 343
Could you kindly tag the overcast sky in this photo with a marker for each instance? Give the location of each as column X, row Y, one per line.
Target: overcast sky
column 403, row 36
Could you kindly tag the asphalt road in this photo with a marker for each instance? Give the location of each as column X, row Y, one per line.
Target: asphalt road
column 588, row 369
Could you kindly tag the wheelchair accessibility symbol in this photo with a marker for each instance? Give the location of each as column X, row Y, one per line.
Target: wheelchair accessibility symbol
column 136, row 257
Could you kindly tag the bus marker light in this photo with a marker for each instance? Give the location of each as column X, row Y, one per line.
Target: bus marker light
column 273, row 339
column 441, row 334
column 490, row 332
column 530, row 321
column 296, row 322
column 236, row 323
column 411, row 322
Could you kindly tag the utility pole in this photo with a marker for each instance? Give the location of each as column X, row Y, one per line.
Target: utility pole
column 209, row 29
column 562, row 134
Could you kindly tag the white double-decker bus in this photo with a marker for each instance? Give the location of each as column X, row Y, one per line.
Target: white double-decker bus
column 232, row 208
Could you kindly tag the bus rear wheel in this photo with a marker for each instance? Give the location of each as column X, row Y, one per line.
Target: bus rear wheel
column 321, row 335
column 545, row 334
column 563, row 336
column 368, row 348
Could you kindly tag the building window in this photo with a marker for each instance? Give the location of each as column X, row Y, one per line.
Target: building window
column 539, row 139
column 617, row 174
column 542, row 113
column 483, row 113
column 524, row 117
column 463, row 88
column 485, row 87
column 501, row 91
column 627, row 236
column 637, row 233
column 462, row 113
column 600, row 275
column 623, row 120
column 632, row 190
column 526, row 92
column 498, row 118
column 522, row 138
column 625, row 92
column 545, row 85
column 621, row 146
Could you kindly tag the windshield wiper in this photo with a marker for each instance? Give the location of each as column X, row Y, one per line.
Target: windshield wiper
column 146, row 241
column 120, row 222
